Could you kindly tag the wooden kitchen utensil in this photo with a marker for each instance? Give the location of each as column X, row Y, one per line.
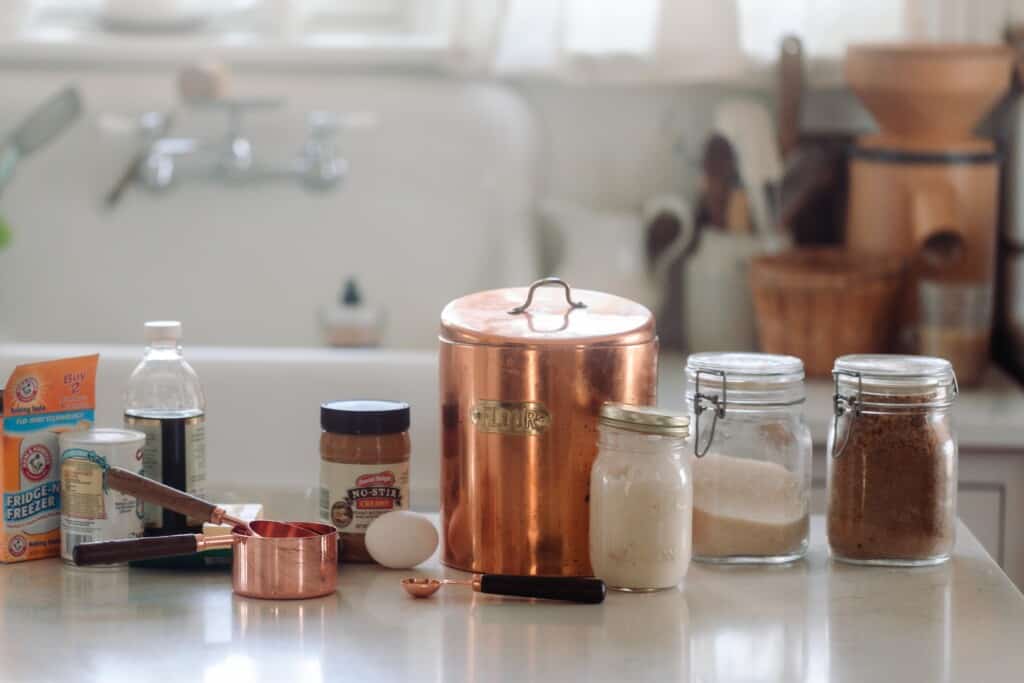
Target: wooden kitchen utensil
column 157, row 493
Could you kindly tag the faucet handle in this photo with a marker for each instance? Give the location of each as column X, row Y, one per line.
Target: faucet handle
column 235, row 104
column 236, row 107
column 323, row 125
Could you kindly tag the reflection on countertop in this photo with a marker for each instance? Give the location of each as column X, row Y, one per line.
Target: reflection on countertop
column 810, row 621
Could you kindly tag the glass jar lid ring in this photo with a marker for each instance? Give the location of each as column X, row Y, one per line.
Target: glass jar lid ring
column 843, row 404
column 644, row 419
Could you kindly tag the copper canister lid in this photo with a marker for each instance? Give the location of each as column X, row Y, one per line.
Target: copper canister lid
column 542, row 315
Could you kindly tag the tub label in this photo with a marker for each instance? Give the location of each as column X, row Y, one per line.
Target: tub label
column 525, row 418
column 352, row 496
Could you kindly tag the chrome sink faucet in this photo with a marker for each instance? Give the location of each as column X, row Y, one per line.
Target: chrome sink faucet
column 164, row 160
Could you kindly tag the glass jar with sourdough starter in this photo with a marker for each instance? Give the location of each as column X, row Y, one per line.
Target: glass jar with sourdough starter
column 640, row 499
column 892, row 465
column 751, row 457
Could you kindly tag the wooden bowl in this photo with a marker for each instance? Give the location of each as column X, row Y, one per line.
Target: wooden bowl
column 933, row 92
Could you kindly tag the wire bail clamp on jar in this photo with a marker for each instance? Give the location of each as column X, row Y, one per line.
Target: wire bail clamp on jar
column 702, row 402
column 855, row 405
column 841, row 405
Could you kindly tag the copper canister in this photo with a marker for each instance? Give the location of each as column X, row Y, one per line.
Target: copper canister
column 524, row 372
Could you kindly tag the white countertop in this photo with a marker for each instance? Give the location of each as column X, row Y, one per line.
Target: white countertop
column 812, row 621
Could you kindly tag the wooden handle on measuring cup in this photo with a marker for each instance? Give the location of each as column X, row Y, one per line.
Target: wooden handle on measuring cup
column 154, row 492
column 113, row 552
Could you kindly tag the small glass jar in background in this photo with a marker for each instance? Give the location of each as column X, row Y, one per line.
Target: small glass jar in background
column 892, row 465
column 640, row 499
column 751, row 457
column 955, row 323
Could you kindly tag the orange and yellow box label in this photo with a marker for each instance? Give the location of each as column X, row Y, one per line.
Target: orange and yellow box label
column 41, row 400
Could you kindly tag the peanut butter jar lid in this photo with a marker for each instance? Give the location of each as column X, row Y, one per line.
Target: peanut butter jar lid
column 547, row 313
column 364, row 417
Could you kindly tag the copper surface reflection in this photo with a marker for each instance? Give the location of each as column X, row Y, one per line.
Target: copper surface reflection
column 524, row 372
column 533, row 641
column 308, row 621
column 514, row 502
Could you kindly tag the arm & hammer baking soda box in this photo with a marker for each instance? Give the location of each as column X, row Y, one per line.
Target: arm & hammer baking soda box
column 40, row 401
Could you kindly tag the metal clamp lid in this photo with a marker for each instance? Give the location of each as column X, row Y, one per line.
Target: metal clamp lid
column 842, row 405
column 856, row 404
column 544, row 282
column 702, row 402
column 743, row 398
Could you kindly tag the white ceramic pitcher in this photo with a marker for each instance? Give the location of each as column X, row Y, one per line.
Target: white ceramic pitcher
column 606, row 251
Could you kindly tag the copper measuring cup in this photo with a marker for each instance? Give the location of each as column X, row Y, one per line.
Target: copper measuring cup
column 272, row 560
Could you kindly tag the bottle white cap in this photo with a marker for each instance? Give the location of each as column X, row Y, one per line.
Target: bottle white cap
column 163, row 330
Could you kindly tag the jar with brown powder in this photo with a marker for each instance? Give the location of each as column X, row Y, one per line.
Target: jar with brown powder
column 364, row 467
column 892, row 470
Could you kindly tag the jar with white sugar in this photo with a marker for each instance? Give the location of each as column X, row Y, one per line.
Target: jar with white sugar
column 751, row 457
column 641, row 499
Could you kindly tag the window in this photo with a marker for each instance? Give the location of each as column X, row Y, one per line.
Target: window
column 631, row 40
column 826, row 27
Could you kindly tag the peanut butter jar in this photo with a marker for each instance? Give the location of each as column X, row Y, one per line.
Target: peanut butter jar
column 364, row 467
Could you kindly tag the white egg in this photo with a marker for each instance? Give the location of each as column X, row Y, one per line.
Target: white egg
column 401, row 539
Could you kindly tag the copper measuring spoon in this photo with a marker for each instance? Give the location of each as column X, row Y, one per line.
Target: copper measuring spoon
column 566, row 588
column 154, row 492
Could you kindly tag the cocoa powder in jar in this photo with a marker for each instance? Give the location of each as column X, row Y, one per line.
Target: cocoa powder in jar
column 893, row 487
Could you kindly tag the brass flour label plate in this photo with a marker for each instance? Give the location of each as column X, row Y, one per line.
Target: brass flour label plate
column 522, row 418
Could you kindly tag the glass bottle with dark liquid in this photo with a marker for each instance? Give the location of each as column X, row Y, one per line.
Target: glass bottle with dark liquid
column 165, row 401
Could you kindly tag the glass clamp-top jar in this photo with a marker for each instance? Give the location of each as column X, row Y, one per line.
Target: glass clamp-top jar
column 892, row 466
column 641, row 499
column 751, row 457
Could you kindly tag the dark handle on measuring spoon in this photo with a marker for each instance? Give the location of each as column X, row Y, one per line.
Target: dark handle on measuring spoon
column 154, row 492
column 129, row 550
column 569, row 589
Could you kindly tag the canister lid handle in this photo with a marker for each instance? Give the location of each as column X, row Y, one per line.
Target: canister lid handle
column 544, row 282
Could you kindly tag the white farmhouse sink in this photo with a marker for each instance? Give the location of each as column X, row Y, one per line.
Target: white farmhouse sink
column 263, row 406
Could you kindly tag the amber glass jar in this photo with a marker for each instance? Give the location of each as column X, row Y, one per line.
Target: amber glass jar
column 364, row 467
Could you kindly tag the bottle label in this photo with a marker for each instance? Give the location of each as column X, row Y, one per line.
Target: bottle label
column 352, row 496
column 188, row 435
column 90, row 511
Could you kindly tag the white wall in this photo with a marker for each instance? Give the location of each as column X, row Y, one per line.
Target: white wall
column 613, row 147
column 439, row 202
column 437, row 205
